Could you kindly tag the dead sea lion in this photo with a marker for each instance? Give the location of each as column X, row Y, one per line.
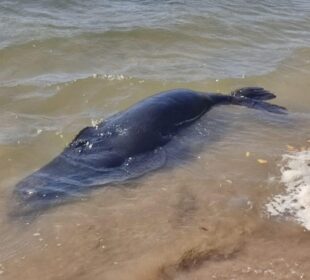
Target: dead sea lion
column 126, row 145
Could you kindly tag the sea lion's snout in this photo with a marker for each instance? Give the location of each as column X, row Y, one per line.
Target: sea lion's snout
column 34, row 189
column 26, row 194
column 30, row 189
column 34, row 194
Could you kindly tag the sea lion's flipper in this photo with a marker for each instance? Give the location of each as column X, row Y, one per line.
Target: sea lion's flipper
column 256, row 93
column 251, row 97
column 259, row 105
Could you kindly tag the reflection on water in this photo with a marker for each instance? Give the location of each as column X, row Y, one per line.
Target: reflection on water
column 65, row 66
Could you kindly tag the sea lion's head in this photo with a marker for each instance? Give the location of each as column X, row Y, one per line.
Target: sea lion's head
column 40, row 191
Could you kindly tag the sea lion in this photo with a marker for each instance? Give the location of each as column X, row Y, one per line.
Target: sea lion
column 127, row 145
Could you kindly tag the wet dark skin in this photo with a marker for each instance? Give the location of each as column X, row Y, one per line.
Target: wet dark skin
column 127, row 145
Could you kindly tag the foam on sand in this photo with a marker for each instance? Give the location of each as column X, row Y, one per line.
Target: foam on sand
column 294, row 202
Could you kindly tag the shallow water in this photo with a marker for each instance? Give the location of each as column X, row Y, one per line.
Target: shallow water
column 65, row 65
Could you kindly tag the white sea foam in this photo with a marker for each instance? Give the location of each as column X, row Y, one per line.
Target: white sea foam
column 294, row 202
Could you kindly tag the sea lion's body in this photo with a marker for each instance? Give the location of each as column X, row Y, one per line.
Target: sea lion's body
column 145, row 126
column 127, row 144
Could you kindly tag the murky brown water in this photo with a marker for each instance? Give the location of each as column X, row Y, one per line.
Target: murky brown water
column 202, row 218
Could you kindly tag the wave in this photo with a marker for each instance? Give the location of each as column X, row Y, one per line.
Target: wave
column 188, row 50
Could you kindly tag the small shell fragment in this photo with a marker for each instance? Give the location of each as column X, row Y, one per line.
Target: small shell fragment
column 262, row 161
column 290, row 147
column 247, row 154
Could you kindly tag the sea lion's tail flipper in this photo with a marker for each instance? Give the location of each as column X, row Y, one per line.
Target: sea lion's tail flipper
column 256, row 93
column 252, row 97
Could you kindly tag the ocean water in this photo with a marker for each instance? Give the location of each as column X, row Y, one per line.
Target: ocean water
column 238, row 208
